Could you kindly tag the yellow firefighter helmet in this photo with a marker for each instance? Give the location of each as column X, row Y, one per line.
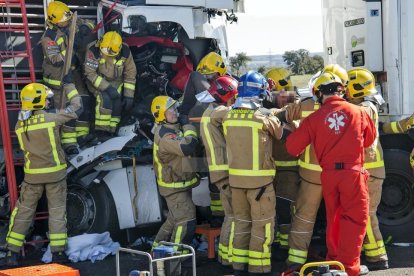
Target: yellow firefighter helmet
column 361, row 83
column 58, row 12
column 323, row 82
column 212, row 63
column 337, row 70
column 111, row 44
column 159, row 105
column 281, row 77
column 33, row 96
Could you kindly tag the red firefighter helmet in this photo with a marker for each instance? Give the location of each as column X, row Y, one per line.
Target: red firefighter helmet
column 223, row 89
column 272, row 84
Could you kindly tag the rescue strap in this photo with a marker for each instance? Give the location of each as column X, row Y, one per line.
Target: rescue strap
column 260, row 194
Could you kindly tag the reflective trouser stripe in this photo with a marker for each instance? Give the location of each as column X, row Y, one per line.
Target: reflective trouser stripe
column 283, row 239
column 277, row 237
column 297, row 256
column 215, row 205
column 81, row 131
column 224, row 252
column 114, row 121
column 58, row 239
column 69, row 137
column 14, row 238
column 262, row 258
column 231, row 238
column 177, row 238
column 101, row 119
column 373, row 248
column 240, row 256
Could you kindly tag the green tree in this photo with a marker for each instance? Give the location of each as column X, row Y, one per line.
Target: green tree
column 300, row 62
column 262, row 69
column 239, row 61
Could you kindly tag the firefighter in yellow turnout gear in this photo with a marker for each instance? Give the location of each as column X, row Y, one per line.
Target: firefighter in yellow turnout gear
column 222, row 91
column 54, row 44
column 38, row 133
column 287, row 178
column 361, row 91
column 249, row 131
column 309, row 195
column 111, row 75
column 173, row 147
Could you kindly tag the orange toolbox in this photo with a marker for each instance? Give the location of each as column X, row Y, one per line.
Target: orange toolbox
column 41, row 270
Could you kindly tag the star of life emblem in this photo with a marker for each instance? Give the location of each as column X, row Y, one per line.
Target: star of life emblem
column 336, row 121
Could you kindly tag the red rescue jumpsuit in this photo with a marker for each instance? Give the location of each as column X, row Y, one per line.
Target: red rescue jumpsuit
column 339, row 132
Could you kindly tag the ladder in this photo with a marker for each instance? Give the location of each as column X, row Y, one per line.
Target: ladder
column 14, row 23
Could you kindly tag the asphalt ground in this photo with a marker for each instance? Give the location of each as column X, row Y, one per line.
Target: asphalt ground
column 401, row 260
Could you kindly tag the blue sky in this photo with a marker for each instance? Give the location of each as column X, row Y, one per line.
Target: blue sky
column 276, row 26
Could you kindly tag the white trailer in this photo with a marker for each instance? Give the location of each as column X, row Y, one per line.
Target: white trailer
column 379, row 35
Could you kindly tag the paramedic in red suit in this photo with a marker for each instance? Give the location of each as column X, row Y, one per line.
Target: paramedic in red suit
column 339, row 132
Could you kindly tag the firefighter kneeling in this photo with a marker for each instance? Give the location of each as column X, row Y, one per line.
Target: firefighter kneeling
column 173, row 147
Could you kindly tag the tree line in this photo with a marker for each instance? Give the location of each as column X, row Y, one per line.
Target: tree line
column 299, row 62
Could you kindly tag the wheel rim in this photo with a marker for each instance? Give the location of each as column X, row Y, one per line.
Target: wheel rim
column 397, row 201
column 81, row 210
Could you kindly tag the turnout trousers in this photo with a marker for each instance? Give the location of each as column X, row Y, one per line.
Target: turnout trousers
column 22, row 215
column 374, row 247
column 181, row 220
column 254, row 220
column 306, row 209
column 227, row 229
column 346, row 198
column 286, row 184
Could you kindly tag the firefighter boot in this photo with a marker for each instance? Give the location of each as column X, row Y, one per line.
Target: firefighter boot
column 103, row 136
column 72, row 150
column 59, row 257
column 12, row 259
column 363, row 270
column 381, row 265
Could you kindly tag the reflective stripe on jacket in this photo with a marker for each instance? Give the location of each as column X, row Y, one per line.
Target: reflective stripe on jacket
column 214, row 142
column 172, row 158
column 102, row 71
column 39, row 139
column 249, row 135
column 309, row 168
column 374, row 156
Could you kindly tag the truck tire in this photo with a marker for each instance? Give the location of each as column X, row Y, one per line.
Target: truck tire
column 396, row 210
column 91, row 210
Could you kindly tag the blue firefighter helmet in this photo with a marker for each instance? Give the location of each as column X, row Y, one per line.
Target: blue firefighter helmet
column 252, row 84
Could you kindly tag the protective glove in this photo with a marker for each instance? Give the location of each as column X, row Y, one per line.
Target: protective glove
column 402, row 126
column 293, row 112
column 68, row 78
column 112, row 93
column 127, row 103
column 412, row 158
column 407, row 123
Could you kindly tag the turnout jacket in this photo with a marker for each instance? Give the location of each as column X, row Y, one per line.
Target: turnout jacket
column 173, row 164
column 214, row 142
column 102, row 71
column 39, row 139
column 374, row 156
column 249, row 137
column 54, row 44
